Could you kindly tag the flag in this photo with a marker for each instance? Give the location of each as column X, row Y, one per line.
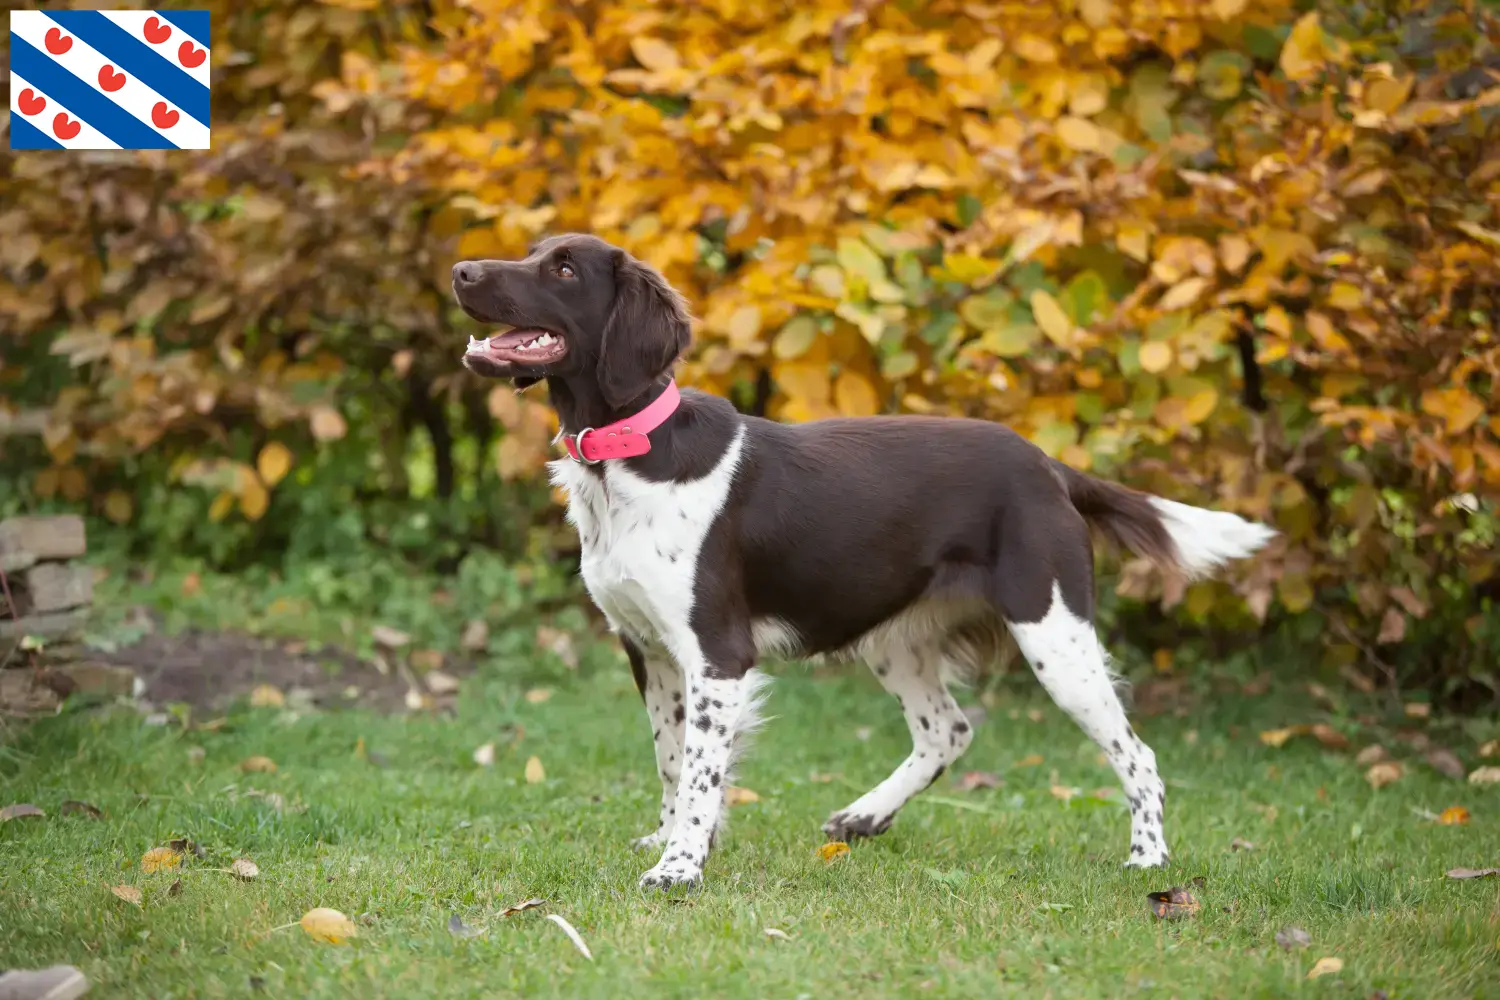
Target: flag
column 110, row 79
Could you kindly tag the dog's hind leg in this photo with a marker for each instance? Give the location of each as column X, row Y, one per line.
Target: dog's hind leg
column 940, row 733
column 662, row 689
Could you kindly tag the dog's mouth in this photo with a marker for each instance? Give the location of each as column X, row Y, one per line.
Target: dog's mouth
column 525, row 347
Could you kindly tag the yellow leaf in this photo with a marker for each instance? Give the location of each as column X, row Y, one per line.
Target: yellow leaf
column 796, row 338
column 1035, row 49
column 1485, row 776
column 1234, row 251
column 1051, row 317
column 538, row 695
column 856, row 257
column 1345, row 296
column 654, row 54
column 1134, row 241
column 1201, row 405
column 1182, row 294
column 160, row 859
column 1384, row 773
column 1453, row 816
column 258, row 764
column 535, row 774
column 855, row 396
column 737, row 796
column 1489, row 237
column 1078, row 133
column 1278, row 737
column 1302, row 55
column 1030, row 760
column 327, row 423
column 1156, row 356
column 267, row 696
column 1325, row 966
column 744, row 325
column 966, row 268
column 129, row 893
column 328, row 926
column 1458, row 407
column 253, row 499
column 118, row 506
column 274, row 461
column 833, row 849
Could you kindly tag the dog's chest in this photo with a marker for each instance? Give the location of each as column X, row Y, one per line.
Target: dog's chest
column 642, row 540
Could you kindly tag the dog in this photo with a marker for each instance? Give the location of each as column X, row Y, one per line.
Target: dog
column 711, row 539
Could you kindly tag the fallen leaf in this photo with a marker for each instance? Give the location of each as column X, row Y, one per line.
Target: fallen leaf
column 484, row 755
column 1445, row 762
column 129, row 893
column 427, row 659
column 1325, row 966
column 559, row 643
column 459, row 929
column 1453, row 816
column 1293, row 938
column 1030, row 760
column 736, row 796
column 534, row 772
column 18, row 811
column 779, row 935
column 416, row 701
column 1485, row 776
column 440, row 683
column 258, row 764
column 833, row 849
column 1278, row 737
column 538, row 695
column 1330, row 737
column 978, row 779
column 522, row 906
column 1372, row 754
column 1490, row 749
column 1418, row 710
column 175, row 889
column 1462, row 873
column 1173, row 904
column 1384, row 773
column 476, row 636
column 330, row 926
column 74, row 807
column 1238, row 844
column 267, row 696
column 1064, row 793
column 160, row 859
column 244, row 868
column 273, row 799
column 390, row 638
column 572, row 935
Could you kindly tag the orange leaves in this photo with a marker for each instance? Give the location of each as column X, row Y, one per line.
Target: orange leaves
column 1457, row 407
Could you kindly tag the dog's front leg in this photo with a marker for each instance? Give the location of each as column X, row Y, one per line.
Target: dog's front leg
column 661, row 687
column 721, row 703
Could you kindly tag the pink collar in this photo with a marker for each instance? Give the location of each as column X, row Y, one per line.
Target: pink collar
column 624, row 438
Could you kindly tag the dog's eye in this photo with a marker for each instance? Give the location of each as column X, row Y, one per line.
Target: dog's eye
column 565, row 270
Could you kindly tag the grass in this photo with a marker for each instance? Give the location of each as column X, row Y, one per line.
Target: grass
column 1008, row 891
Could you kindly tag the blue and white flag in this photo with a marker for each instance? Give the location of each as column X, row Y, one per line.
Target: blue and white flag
column 110, row 79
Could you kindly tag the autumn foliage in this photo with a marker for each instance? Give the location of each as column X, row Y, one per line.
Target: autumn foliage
column 1241, row 253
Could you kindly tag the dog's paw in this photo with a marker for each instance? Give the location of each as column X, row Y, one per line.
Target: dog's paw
column 650, row 842
column 1143, row 858
column 670, row 874
column 848, row 826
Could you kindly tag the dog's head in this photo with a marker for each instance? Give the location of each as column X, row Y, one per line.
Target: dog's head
column 578, row 309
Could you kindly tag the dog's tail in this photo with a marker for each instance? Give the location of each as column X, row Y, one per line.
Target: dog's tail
column 1190, row 540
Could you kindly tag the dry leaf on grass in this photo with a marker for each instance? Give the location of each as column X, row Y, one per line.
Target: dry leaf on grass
column 736, row 796
column 160, row 859
column 175, row 889
column 1490, row 749
column 476, row 636
column 267, row 696
column 1238, row 844
column 978, row 779
column 522, row 906
column 1030, row 760
column 427, row 659
column 129, row 893
column 777, row 934
column 1485, row 776
column 323, row 924
column 558, row 643
column 258, row 765
column 390, row 638
column 535, row 774
column 1453, row 816
column 75, row 807
column 1278, row 737
column 1372, row 754
column 1064, row 792
column 243, row 868
column 1418, row 710
column 459, row 929
column 1174, row 904
column 1384, row 773
column 1293, row 938
column 572, row 935
column 1325, row 966
column 832, row 850
column 20, row 810
column 538, row 695
column 1446, row 763
column 484, row 755
column 1330, row 737
column 440, row 683
column 416, row 701
column 1463, row 873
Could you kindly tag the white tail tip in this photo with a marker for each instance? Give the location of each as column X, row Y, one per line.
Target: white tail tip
column 1207, row 539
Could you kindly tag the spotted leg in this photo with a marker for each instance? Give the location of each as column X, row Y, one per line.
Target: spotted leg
column 661, row 686
column 940, row 733
column 1064, row 652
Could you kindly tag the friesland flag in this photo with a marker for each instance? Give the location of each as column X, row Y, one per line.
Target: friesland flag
column 109, row 79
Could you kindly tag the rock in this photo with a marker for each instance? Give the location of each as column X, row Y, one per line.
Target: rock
column 60, row 625
column 20, row 694
column 54, row 537
column 58, row 586
column 14, row 562
column 91, row 677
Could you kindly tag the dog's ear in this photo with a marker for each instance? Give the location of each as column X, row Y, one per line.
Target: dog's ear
column 648, row 327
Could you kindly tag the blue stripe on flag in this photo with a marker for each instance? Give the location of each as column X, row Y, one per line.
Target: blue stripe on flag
column 135, row 57
column 24, row 135
column 81, row 99
column 194, row 22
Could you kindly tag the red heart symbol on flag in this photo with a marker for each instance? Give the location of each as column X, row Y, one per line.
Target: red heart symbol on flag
column 31, row 102
column 190, row 57
column 58, row 43
column 156, row 32
column 161, row 117
column 63, row 128
column 110, row 80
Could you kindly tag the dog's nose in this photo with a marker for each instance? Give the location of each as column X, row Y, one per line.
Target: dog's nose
column 466, row 272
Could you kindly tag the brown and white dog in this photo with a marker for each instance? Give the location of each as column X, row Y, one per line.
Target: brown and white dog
column 710, row 539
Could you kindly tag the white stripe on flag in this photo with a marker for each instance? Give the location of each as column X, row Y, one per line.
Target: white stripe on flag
column 88, row 137
column 133, row 22
column 135, row 98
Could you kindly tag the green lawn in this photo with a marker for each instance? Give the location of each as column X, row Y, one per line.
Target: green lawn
column 1008, row 891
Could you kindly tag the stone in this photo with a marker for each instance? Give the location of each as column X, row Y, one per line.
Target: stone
column 22, row 694
column 59, row 625
column 14, row 562
column 91, row 677
column 58, row 586
column 58, row 536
